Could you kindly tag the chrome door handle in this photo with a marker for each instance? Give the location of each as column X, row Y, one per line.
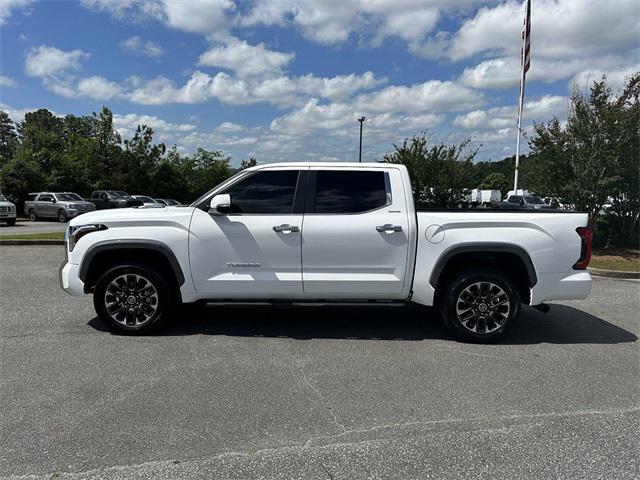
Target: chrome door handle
column 387, row 227
column 285, row 227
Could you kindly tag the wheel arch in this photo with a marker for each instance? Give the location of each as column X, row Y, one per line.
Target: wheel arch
column 105, row 254
column 512, row 259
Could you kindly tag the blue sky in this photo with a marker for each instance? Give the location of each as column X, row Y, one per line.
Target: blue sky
column 285, row 80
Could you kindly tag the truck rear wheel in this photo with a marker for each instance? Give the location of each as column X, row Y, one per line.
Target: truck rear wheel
column 32, row 215
column 479, row 305
column 133, row 298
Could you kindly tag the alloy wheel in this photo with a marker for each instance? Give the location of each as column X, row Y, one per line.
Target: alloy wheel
column 131, row 300
column 483, row 307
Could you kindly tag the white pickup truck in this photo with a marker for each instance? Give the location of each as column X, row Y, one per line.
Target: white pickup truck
column 326, row 233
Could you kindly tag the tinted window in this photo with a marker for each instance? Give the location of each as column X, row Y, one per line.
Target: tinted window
column 68, row 197
column 264, row 192
column 45, row 198
column 350, row 191
column 515, row 199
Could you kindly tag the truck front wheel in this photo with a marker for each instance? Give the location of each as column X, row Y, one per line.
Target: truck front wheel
column 133, row 298
column 480, row 305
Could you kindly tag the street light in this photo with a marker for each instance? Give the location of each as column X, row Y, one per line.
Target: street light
column 361, row 120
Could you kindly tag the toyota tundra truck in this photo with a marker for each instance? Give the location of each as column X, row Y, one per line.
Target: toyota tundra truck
column 325, row 233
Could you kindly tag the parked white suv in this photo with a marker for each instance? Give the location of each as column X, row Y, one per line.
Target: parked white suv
column 320, row 233
column 7, row 211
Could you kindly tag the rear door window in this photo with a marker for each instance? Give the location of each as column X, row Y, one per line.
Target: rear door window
column 345, row 191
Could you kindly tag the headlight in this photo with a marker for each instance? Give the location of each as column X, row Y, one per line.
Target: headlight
column 74, row 234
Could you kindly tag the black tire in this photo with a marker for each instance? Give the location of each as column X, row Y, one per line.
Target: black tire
column 32, row 215
column 10, row 222
column 62, row 216
column 110, row 310
column 470, row 309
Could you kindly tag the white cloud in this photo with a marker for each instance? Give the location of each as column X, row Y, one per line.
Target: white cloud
column 541, row 109
column 616, row 78
column 280, row 91
column 98, row 88
column 561, row 29
column 244, row 59
column 334, row 21
column 504, row 72
column 226, row 127
column 6, row 81
column 135, row 44
column 6, row 7
column 198, row 16
column 45, row 61
column 163, row 131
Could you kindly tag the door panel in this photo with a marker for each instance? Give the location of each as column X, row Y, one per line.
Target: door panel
column 347, row 255
column 255, row 252
column 242, row 256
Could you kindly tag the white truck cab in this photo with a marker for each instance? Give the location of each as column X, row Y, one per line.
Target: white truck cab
column 326, row 232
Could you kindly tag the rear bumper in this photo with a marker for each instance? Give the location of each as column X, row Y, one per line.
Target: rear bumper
column 70, row 282
column 571, row 285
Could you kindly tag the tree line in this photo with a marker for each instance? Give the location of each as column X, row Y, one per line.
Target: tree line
column 587, row 161
column 86, row 153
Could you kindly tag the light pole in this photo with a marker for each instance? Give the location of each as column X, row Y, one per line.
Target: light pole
column 361, row 120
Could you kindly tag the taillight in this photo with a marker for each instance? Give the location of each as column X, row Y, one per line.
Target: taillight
column 586, row 235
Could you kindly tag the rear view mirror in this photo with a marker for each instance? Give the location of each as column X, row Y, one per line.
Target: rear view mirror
column 220, row 204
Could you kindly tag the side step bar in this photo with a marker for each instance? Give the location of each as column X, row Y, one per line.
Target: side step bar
column 314, row 303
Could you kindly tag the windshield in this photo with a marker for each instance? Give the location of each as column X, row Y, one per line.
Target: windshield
column 534, row 200
column 145, row 199
column 118, row 194
column 68, row 197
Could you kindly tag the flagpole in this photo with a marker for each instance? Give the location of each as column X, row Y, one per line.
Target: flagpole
column 523, row 54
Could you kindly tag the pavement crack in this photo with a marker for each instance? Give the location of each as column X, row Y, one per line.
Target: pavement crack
column 323, row 401
column 335, row 439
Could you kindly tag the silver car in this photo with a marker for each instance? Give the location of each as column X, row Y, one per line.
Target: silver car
column 59, row 205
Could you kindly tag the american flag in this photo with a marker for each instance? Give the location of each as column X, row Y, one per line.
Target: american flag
column 526, row 38
column 525, row 63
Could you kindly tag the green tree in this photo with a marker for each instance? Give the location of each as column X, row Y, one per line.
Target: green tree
column 595, row 156
column 441, row 175
column 140, row 158
column 495, row 181
column 8, row 138
column 20, row 177
column 244, row 164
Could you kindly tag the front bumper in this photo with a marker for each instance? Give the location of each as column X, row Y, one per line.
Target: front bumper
column 7, row 214
column 70, row 282
column 571, row 285
column 74, row 213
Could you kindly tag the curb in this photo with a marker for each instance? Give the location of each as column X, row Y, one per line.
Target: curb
column 30, row 242
column 614, row 273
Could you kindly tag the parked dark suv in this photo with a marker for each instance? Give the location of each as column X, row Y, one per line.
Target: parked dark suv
column 104, row 199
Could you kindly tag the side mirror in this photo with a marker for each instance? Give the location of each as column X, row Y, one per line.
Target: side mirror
column 53, row 200
column 522, row 203
column 220, row 204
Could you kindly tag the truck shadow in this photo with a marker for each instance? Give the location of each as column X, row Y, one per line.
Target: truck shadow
column 562, row 325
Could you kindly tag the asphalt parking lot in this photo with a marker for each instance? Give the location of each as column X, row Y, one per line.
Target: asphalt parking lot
column 39, row 226
column 313, row 392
